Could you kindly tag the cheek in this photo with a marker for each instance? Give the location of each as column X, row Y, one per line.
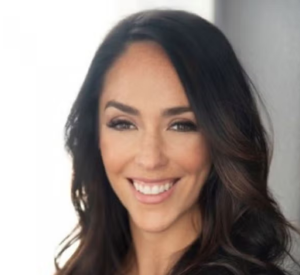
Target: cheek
column 113, row 162
column 111, row 152
column 193, row 154
column 194, row 159
column 114, row 149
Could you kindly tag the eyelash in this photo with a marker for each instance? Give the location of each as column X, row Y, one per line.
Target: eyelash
column 117, row 122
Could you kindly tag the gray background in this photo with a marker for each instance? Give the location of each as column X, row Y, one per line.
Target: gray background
column 266, row 37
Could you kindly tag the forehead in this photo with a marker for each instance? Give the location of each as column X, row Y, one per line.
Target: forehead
column 144, row 76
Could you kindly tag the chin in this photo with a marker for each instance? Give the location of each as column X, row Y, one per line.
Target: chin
column 151, row 222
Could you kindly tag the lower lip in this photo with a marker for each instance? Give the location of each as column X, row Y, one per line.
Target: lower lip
column 153, row 199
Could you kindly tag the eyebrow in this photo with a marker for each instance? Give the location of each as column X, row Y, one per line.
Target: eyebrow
column 133, row 111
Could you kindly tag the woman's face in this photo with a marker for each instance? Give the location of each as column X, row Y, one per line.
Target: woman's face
column 139, row 139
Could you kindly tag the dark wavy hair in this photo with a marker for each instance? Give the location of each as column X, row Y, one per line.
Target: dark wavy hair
column 243, row 229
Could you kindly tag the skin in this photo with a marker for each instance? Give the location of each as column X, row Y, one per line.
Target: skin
column 153, row 146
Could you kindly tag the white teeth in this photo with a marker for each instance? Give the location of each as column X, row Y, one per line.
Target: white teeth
column 151, row 189
column 155, row 190
column 146, row 190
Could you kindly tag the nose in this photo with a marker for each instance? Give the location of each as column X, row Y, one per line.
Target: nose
column 150, row 152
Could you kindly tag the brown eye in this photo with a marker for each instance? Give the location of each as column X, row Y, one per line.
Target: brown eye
column 185, row 126
column 119, row 124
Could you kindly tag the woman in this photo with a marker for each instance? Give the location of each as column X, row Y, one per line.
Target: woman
column 170, row 158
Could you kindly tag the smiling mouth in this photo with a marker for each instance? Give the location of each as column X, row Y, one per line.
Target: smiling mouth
column 153, row 189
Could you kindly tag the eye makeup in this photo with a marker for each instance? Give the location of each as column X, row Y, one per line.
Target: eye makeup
column 123, row 125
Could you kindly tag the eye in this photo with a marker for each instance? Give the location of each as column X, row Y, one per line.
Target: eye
column 119, row 124
column 185, row 126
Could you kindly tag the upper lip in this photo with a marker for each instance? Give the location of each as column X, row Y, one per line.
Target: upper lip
column 154, row 180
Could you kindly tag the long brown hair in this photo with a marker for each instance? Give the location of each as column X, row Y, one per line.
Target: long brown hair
column 244, row 230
